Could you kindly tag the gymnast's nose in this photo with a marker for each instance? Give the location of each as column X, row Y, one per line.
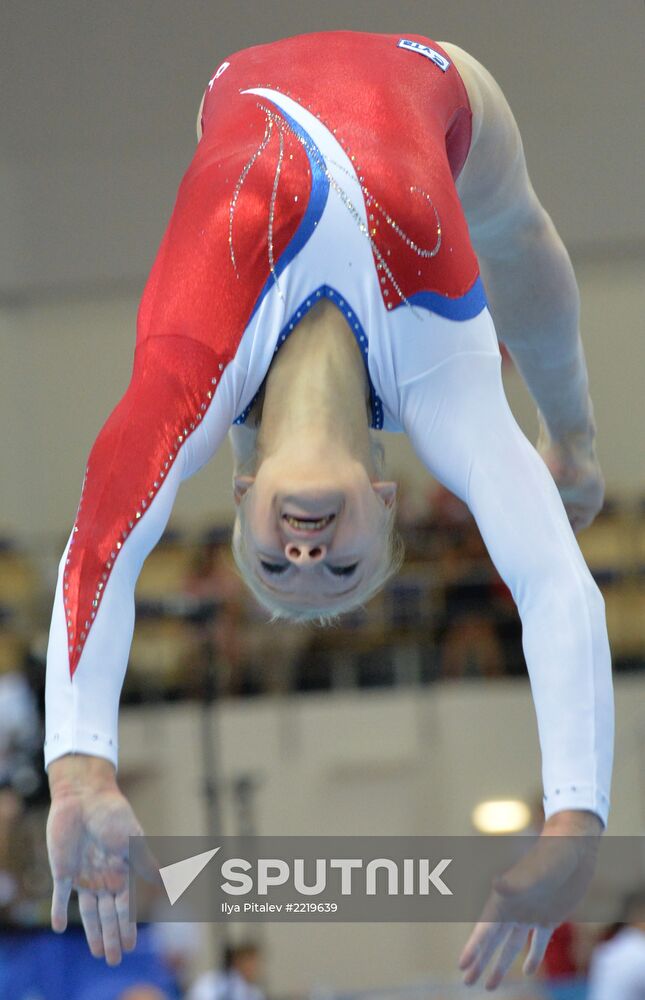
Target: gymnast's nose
column 303, row 554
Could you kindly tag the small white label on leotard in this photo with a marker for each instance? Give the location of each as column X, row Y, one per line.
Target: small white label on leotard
column 425, row 50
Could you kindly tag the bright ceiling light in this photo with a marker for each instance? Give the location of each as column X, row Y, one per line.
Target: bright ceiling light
column 501, row 816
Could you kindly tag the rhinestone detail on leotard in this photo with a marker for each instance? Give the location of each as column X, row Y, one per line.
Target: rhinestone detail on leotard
column 284, row 127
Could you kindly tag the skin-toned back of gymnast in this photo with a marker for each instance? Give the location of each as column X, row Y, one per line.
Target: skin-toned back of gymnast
column 313, row 457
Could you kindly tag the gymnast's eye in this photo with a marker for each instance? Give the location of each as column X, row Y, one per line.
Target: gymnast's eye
column 343, row 570
column 273, row 567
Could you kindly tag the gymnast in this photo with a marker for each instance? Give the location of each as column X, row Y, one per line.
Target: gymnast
column 355, row 231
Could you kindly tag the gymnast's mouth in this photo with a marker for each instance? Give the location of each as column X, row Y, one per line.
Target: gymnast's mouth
column 301, row 523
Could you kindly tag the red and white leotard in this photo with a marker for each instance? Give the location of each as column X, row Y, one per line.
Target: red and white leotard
column 327, row 168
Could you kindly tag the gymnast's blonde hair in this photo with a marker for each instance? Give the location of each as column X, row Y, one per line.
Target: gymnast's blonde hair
column 389, row 563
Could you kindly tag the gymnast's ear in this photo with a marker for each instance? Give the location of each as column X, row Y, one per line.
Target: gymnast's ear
column 240, row 485
column 386, row 491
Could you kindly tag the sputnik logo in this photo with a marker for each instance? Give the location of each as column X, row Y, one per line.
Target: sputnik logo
column 180, row 875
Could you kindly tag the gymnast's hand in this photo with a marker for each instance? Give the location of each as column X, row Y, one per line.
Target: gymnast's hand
column 574, row 466
column 88, row 828
column 530, row 900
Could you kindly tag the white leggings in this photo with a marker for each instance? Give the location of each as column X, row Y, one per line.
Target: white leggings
column 460, row 424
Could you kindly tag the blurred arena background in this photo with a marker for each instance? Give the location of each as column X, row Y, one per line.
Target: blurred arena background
column 413, row 712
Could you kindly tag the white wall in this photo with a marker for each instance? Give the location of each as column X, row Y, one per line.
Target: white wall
column 65, row 364
column 405, row 762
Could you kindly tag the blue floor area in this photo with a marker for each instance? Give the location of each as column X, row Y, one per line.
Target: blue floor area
column 41, row 965
column 570, row 989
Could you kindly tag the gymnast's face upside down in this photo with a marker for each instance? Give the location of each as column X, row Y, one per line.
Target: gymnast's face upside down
column 314, row 538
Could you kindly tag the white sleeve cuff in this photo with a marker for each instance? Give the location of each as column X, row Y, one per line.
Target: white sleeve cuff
column 64, row 742
column 582, row 797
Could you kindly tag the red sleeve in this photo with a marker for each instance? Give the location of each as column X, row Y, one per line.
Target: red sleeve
column 171, row 420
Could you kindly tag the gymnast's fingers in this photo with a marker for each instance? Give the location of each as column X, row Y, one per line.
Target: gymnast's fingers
column 471, row 947
column 127, row 927
column 109, row 928
column 485, row 940
column 60, row 899
column 512, row 947
column 540, row 938
column 88, row 906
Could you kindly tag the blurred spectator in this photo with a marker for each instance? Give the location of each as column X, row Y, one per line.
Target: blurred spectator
column 566, row 962
column 250, row 656
column 177, row 944
column 618, row 965
column 412, row 507
column 562, row 960
column 214, row 577
column 238, row 978
column 20, row 769
column 142, row 993
column 20, row 732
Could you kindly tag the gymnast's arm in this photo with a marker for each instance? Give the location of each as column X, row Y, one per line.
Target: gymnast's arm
column 169, row 423
column 461, row 426
column 171, row 420
column 531, row 289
